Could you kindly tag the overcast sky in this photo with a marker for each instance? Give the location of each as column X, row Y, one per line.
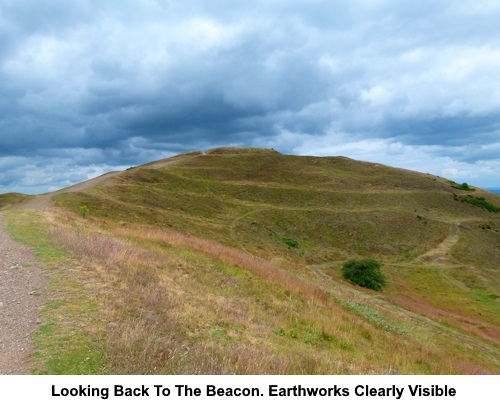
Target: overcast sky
column 93, row 86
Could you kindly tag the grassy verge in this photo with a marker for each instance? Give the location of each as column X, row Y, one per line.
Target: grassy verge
column 63, row 343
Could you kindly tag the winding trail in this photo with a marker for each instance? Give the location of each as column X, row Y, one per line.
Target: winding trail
column 21, row 295
column 437, row 255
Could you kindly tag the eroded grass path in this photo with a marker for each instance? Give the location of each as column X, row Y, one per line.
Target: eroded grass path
column 440, row 253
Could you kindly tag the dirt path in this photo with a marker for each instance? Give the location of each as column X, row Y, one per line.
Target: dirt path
column 159, row 164
column 440, row 253
column 21, row 294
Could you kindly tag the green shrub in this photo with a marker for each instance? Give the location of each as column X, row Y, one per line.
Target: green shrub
column 463, row 186
column 279, row 331
column 479, row 202
column 292, row 243
column 365, row 273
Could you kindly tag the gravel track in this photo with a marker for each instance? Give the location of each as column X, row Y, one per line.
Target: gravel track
column 21, row 295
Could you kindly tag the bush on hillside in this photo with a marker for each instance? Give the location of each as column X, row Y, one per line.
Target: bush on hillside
column 478, row 202
column 291, row 243
column 463, row 186
column 365, row 273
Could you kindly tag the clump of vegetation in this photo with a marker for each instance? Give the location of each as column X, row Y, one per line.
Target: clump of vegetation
column 478, row 202
column 374, row 317
column 292, row 243
column 280, row 331
column 83, row 210
column 463, row 186
column 365, row 273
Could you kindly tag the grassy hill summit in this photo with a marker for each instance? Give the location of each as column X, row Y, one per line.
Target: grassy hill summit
column 230, row 261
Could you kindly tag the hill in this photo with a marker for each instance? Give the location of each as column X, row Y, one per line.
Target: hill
column 12, row 199
column 230, row 261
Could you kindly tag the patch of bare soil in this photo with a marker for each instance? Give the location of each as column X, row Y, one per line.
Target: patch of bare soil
column 21, row 295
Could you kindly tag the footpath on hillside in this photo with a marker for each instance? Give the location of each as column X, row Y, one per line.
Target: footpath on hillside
column 439, row 254
column 21, row 294
column 45, row 201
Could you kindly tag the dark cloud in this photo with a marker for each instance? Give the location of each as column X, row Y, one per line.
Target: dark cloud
column 448, row 131
column 101, row 86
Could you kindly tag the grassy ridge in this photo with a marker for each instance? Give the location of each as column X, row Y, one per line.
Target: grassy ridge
column 9, row 199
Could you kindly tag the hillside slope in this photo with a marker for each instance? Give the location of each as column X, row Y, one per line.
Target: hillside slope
column 241, row 249
column 336, row 208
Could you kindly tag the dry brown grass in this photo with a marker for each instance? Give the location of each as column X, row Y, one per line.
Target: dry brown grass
column 176, row 304
column 485, row 330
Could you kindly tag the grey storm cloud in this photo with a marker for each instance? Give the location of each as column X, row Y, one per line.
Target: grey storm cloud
column 91, row 86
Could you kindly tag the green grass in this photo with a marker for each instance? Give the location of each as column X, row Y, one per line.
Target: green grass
column 62, row 345
column 201, row 298
column 29, row 228
column 374, row 317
